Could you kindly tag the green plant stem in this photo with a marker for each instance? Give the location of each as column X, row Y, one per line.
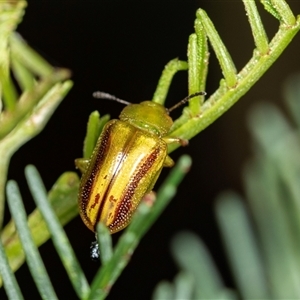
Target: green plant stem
column 171, row 68
column 224, row 98
column 29, row 127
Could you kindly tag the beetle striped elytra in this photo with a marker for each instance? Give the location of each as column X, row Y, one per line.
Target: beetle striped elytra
column 126, row 162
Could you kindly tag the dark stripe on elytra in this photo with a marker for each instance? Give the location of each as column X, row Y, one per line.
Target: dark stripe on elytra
column 87, row 186
column 125, row 203
column 126, row 149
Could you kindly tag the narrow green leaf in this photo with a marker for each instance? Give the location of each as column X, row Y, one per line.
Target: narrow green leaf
column 274, row 180
column 63, row 199
column 30, row 99
column 105, row 243
column 94, row 129
column 11, row 14
column 280, row 254
column 164, row 290
column 10, row 283
column 224, row 58
column 270, row 8
column 241, row 245
column 59, row 237
column 283, row 9
column 192, row 256
column 91, row 134
column 9, row 91
column 35, row 263
column 194, row 74
column 103, row 120
column 201, row 70
column 203, row 53
column 23, row 76
column 184, row 286
column 257, row 28
column 29, row 127
column 292, row 96
column 28, row 57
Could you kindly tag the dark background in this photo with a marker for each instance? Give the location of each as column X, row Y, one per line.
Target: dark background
column 121, row 47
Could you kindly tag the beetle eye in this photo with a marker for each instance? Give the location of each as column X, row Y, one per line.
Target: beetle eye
column 94, row 251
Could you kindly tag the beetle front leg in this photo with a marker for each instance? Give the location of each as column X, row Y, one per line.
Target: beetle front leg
column 82, row 164
column 94, row 250
column 169, row 162
column 169, row 140
column 149, row 198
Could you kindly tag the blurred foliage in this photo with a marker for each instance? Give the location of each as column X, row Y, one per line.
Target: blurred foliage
column 261, row 234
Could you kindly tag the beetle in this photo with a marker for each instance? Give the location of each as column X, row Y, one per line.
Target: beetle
column 127, row 160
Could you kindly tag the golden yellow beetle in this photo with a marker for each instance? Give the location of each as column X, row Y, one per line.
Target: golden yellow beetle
column 126, row 162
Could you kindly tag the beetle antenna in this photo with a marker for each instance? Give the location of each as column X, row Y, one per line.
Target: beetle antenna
column 102, row 95
column 186, row 99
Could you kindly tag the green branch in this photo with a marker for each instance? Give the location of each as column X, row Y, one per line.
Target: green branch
column 233, row 87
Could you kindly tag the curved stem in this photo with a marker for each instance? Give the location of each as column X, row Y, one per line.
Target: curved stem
column 171, row 68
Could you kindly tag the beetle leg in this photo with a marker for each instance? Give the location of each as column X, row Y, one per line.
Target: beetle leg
column 150, row 198
column 168, row 162
column 180, row 141
column 94, row 251
column 82, row 164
